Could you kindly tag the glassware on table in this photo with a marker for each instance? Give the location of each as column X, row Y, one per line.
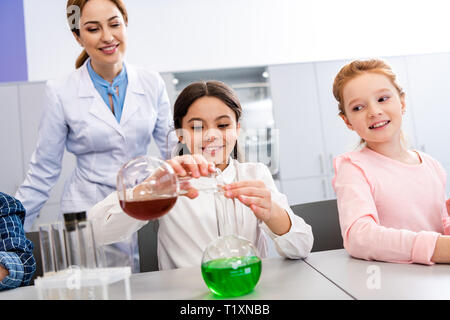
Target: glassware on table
column 230, row 264
column 53, row 249
column 148, row 187
column 71, row 266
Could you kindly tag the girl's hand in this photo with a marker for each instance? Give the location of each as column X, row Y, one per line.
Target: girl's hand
column 191, row 165
column 184, row 166
column 255, row 195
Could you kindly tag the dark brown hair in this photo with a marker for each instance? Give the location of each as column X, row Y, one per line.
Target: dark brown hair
column 199, row 89
column 74, row 26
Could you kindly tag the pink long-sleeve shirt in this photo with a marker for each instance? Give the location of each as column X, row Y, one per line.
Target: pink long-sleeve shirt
column 388, row 210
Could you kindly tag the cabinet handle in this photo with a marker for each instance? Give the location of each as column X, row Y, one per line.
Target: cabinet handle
column 322, row 165
column 331, row 164
column 324, row 187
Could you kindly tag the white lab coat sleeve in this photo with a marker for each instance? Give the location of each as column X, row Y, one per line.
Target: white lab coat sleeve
column 110, row 224
column 164, row 133
column 298, row 241
column 45, row 164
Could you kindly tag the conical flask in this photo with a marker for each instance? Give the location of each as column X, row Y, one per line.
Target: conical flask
column 230, row 266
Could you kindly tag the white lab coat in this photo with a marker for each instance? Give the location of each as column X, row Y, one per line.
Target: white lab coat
column 191, row 225
column 76, row 118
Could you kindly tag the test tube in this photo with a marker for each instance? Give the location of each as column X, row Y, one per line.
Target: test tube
column 47, row 250
column 59, row 247
column 88, row 250
column 72, row 239
column 81, row 249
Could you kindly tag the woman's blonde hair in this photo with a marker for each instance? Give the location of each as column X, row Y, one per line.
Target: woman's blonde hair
column 357, row 68
column 74, row 25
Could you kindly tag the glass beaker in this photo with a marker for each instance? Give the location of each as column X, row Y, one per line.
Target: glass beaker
column 148, row 187
column 230, row 264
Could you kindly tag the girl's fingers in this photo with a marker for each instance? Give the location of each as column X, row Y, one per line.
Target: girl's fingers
column 248, row 183
column 247, row 191
column 202, row 164
column 193, row 165
column 211, row 167
column 175, row 163
column 191, row 193
column 190, row 165
column 259, row 202
column 261, row 213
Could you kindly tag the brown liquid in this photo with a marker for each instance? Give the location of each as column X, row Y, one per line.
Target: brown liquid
column 148, row 209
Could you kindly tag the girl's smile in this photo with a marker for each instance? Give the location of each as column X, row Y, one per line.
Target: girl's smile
column 210, row 129
column 379, row 125
column 212, row 150
column 373, row 108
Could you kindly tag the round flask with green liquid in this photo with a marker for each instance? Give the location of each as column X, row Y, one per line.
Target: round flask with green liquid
column 230, row 264
column 231, row 274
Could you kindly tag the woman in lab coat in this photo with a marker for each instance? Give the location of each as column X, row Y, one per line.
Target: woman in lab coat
column 105, row 113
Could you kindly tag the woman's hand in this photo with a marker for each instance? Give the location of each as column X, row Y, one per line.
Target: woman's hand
column 3, row 272
column 194, row 166
column 255, row 195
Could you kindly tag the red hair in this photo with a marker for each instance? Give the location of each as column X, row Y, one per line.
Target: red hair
column 357, row 68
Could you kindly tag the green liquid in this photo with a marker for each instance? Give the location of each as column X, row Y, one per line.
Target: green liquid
column 232, row 277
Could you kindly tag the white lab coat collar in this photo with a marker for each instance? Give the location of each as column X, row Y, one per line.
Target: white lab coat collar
column 86, row 86
column 99, row 109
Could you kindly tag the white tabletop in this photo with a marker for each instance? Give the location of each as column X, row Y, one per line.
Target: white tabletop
column 379, row 280
column 280, row 279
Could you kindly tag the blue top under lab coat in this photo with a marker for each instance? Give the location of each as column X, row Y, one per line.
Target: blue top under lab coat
column 117, row 89
column 76, row 118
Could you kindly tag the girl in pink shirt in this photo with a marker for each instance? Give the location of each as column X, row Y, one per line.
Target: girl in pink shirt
column 391, row 200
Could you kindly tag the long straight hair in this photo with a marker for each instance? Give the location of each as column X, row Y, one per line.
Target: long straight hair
column 75, row 25
column 199, row 89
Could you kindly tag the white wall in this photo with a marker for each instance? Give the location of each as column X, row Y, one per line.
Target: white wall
column 180, row 35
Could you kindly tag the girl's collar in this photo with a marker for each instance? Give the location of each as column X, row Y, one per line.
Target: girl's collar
column 229, row 174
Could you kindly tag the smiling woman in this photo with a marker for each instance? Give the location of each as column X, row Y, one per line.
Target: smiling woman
column 105, row 113
column 93, row 27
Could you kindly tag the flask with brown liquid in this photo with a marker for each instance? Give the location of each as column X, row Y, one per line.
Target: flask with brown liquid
column 148, row 187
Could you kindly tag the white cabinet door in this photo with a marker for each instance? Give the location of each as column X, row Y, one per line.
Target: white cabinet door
column 11, row 169
column 338, row 138
column 305, row 190
column 429, row 83
column 297, row 117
